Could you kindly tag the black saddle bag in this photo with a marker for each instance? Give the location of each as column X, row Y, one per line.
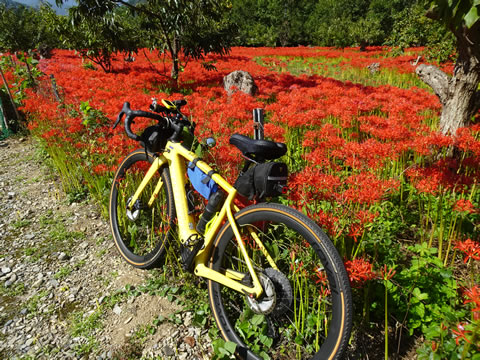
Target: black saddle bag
column 263, row 180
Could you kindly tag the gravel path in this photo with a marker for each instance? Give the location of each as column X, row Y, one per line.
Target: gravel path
column 64, row 291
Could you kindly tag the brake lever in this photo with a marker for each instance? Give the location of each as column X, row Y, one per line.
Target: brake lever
column 119, row 118
column 125, row 110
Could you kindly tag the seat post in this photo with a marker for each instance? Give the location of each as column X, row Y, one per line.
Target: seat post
column 258, row 133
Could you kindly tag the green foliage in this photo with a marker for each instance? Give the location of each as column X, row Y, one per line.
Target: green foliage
column 25, row 74
column 25, row 28
column 97, row 36
column 457, row 337
column 63, row 272
column 347, row 22
column 188, row 28
column 412, row 28
column 456, row 13
column 223, row 350
column 381, row 237
column 92, row 118
column 271, row 22
column 425, row 293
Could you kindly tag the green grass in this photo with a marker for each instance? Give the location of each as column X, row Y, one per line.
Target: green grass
column 332, row 68
column 34, row 302
column 21, row 224
column 83, row 325
column 29, row 251
column 15, row 289
column 60, row 237
column 63, row 272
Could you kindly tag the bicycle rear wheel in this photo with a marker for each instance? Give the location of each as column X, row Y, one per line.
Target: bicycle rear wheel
column 142, row 233
column 306, row 309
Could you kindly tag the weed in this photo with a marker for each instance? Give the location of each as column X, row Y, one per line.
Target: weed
column 101, row 253
column 115, row 298
column 21, row 223
column 85, row 325
column 89, row 66
column 88, row 347
column 79, row 264
column 47, row 219
column 77, row 195
column 29, row 251
column 33, row 180
column 223, row 349
column 100, row 240
column 20, row 178
column 60, row 233
column 143, row 332
column 33, row 303
column 16, row 289
column 63, row 272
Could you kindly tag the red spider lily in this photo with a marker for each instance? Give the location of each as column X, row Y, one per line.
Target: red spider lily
column 366, row 217
column 323, row 292
column 473, row 296
column 356, row 230
column 463, row 205
column 297, row 268
column 100, row 169
column 359, row 270
column 320, row 276
column 386, row 273
column 460, row 333
column 470, row 248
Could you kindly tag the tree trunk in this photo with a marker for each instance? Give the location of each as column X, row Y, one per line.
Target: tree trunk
column 462, row 94
column 175, row 61
column 459, row 94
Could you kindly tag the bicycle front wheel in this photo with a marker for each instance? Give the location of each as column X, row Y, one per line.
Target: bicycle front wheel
column 141, row 233
column 306, row 309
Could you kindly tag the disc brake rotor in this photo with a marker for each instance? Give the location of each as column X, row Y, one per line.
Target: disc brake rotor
column 277, row 295
column 266, row 303
column 283, row 290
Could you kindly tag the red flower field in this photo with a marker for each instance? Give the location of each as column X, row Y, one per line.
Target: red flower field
column 367, row 162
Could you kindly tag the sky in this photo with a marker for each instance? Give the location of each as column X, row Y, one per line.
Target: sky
column 62, row 10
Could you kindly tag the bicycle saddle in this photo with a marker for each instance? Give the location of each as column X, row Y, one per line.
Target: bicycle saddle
column 258, row 150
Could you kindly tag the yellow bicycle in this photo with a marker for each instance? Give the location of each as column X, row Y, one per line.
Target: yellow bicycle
column 278, row 288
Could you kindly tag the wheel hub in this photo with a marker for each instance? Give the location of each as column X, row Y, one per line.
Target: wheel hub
column 266, row 303
column 277, row 294
column 135, row 211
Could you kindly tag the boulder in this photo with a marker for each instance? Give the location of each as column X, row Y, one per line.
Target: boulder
column 240, row 81
column 374, row 67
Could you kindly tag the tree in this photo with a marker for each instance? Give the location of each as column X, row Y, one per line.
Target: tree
column 458, row 94
column 412, row 28
column 18, row 28
column 94, row 38
column 271, row 22
column 181, row 27
column 351, row 22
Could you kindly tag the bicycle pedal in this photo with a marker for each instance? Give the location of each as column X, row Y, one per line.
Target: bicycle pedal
column 189, row 254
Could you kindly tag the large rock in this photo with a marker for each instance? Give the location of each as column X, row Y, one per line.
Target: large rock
column 239, row 81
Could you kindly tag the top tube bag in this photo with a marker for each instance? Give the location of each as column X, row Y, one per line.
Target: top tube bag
column 201, row 182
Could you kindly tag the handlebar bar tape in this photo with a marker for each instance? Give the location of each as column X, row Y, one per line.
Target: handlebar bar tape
column 132, row 114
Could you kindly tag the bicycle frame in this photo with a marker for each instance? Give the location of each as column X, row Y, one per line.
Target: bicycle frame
column 175, row 156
